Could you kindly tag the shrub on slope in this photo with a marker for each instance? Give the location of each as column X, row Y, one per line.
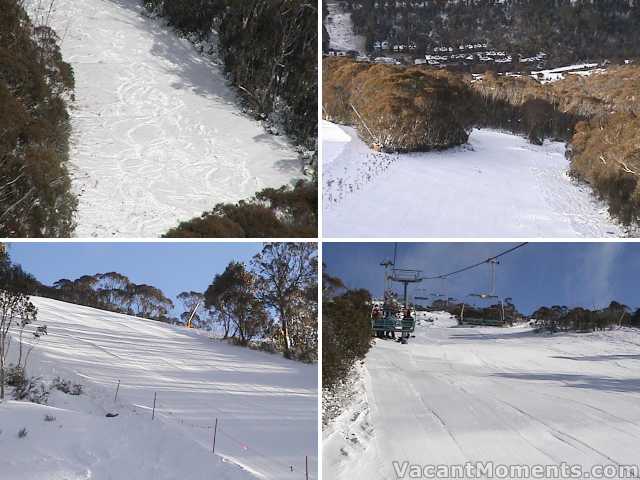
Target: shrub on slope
column 605, row 152
column 616, row 89
column 400, row 109
column 282, row 212
column 35, row 198
column 346, row 330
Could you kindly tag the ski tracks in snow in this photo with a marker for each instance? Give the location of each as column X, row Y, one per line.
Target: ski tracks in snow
column 454, row 395
column 514, row 189
column 157, row 133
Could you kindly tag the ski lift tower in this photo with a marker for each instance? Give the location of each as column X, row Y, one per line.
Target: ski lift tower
column 405, row 276
column 386, row 264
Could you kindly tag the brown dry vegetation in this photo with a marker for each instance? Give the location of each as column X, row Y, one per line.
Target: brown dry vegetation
column 282, row 212
column 35, row 189
column 400, row 109
column 617, row 89
column 605, row 152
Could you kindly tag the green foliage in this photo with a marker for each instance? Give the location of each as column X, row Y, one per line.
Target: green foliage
column 195, row 16
column 35, row 197
column 282, row 292
column 283, row 212
column 346, row 330
column 235, row 292
column 270, row 49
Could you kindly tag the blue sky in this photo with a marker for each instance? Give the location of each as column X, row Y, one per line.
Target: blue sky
column 572, row 274
column 172, row 267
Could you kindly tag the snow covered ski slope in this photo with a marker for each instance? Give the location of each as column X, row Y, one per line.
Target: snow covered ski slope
column 340, row 29
column 506, row 396
column 266, row 406
column 498, row 185
column 158, row 136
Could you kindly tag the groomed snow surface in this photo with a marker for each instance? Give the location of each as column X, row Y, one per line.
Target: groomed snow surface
column 266, row 406
column 498, row 185
column 158, row 136
column 508, row 396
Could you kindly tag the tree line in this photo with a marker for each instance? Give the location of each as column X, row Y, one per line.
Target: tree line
column 35, row 196
column 271, row 303
column 274, row 299
column 114, row 292
column 559, row 318
column 566, row 30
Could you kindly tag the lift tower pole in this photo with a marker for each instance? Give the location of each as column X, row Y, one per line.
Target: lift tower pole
column 405, row 276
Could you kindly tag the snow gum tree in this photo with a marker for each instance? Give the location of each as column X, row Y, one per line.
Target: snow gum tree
column 235, row 292
column 288, row 284
column 15, row 310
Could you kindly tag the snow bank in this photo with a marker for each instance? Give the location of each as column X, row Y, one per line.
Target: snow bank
column 498, row 185
column 334, row 141
column 347, row 438
column 77, row 446
column 436, row 319
column 266, row 406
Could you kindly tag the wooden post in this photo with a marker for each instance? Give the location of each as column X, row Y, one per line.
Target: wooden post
column 153, row 413
column 306, row 466
column 215, row 432
column 115, row 399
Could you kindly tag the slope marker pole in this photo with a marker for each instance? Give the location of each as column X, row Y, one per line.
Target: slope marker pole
column 153, row 413
column 215, row 432
column 306, row 466
column 115, row 399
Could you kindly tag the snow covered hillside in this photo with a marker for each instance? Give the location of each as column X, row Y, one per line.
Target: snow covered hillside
column 340, row 28
column 266, row 406
column 507, row 396
column 498, row 185
column 158, row 136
